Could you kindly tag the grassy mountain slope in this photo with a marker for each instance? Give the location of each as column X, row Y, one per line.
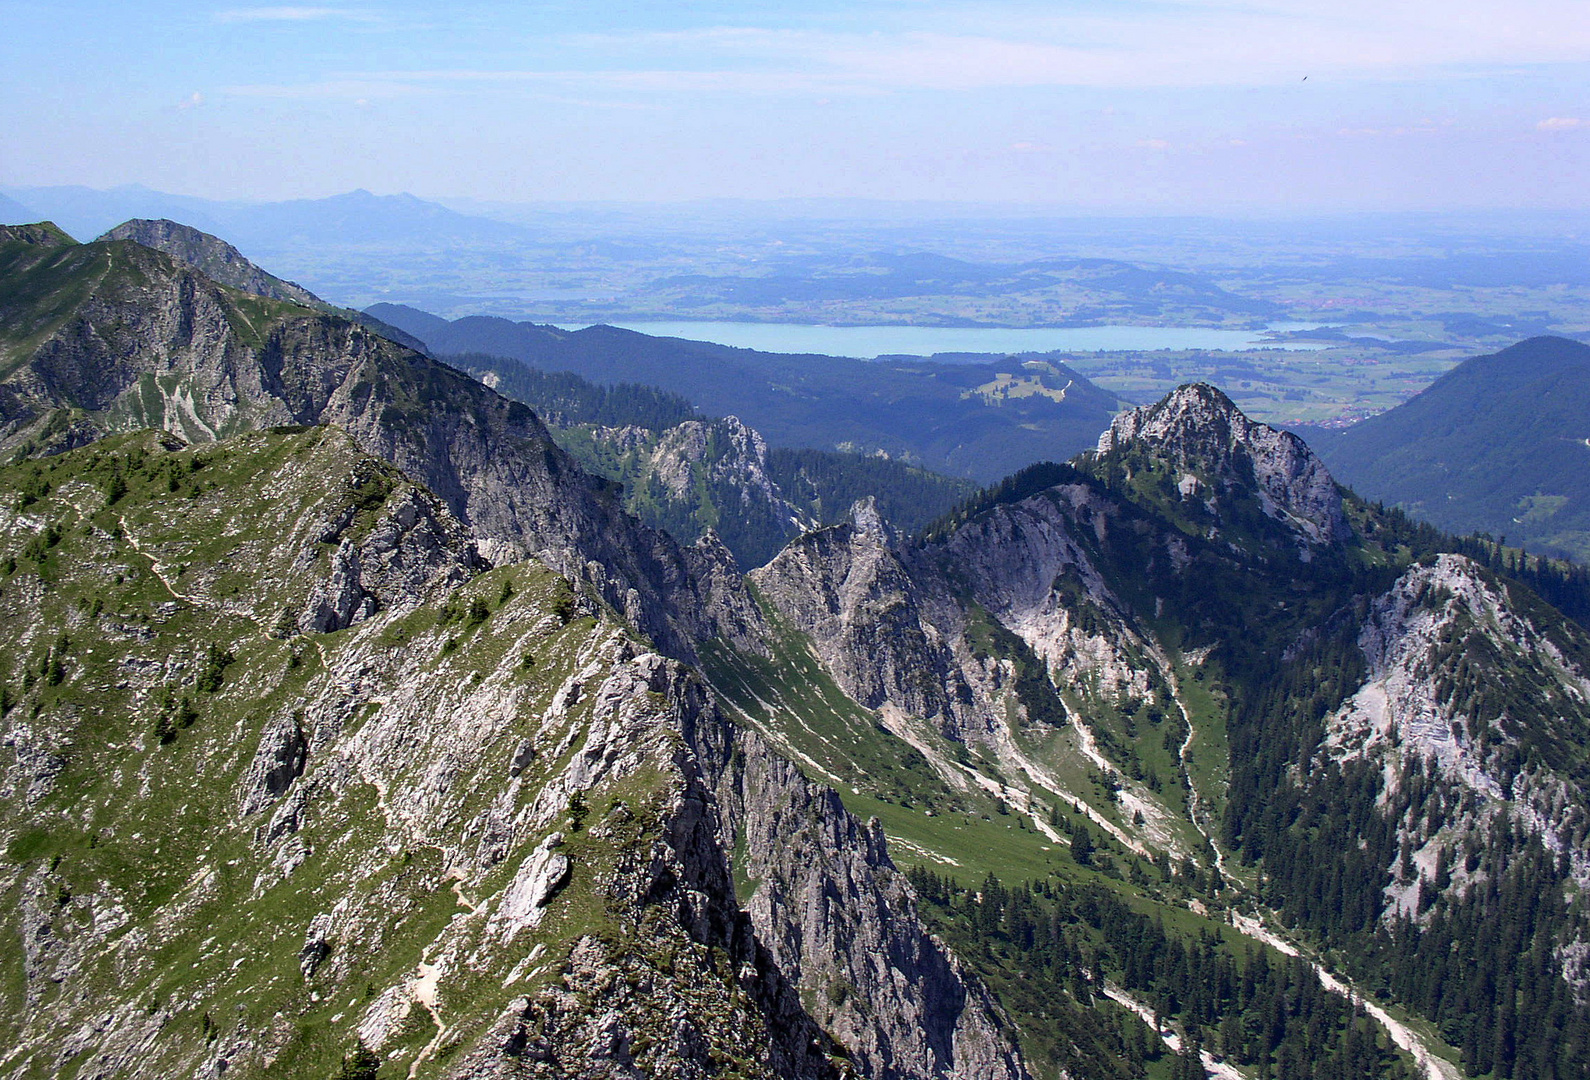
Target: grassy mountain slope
column 1496, row 445
column 116, row 336
column 234, row 846
column 1194, row 647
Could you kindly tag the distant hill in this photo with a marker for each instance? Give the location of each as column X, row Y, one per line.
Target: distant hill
column 14, row 213
column 1498, row 444
column 353, row 218
column 977, row 421
column 1114, row 289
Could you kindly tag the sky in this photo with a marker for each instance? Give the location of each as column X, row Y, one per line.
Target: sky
column 1214, row 106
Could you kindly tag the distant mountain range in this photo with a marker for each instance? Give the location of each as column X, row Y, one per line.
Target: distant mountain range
column 14, row 213
column 1500, row 444
column 354, row 218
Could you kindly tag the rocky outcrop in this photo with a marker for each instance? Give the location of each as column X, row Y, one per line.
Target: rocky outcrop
column 212, row 257
column 1200, row 433
column 701, row 476
column 1479, row 693
column 1436, row 642
column 44, row 234
column 905, row 627
column 867, row 616
column 840, row 921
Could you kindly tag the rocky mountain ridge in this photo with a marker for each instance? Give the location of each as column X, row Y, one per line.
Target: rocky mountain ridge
column 211, row 256
column 483, row 830
column 115, row 336
column 224, row 264
column 349, row 720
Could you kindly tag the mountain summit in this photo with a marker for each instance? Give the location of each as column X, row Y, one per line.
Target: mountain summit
column 1209, row 452
column 212, row 256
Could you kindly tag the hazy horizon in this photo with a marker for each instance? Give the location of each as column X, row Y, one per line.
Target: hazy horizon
column 1210, row 108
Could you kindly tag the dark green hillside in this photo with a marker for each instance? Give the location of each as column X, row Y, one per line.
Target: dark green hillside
column 979, row 421
column 827, row 483
column 754, row 498
column 1497, row 445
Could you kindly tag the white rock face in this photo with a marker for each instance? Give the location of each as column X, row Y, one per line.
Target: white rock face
column 891, row 623
column 1015, row 556
column 542, row 873
column 1197, row 423
column 1416, row 636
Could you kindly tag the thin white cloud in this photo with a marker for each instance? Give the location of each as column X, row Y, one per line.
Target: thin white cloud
column 1559, row 123
column 290, row 14
column 1011, row 44
column 359, row 91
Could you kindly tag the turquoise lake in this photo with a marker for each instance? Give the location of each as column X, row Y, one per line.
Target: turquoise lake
column 870, row 341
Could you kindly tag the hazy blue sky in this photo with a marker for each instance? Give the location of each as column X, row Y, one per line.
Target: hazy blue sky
column 1177, row 104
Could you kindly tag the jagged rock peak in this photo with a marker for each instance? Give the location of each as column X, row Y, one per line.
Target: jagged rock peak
column 1199, row 429
column 868, row 520
column 211, row 256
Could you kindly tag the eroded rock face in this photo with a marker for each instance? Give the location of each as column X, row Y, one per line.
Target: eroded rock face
column 866, row 615
column 1441, row 644
column 840, row 921
column 1200, row 430
column 898, row 623
column 1418, row 641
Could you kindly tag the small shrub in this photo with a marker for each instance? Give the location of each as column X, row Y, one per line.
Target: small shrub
column 563, row 608
column 361, row 1063
column 212, row 671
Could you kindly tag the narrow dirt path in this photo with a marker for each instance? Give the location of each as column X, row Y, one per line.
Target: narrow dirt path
column 430, row 975
column 1434, row 1067
column 1172, row 1040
